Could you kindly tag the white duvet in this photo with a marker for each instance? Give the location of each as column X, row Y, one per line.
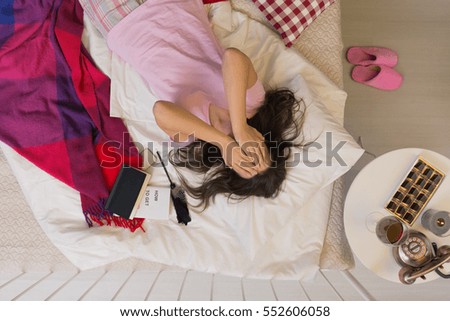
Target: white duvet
column 262, row 238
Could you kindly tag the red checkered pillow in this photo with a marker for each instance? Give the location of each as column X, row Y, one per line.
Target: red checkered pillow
column 291, row 17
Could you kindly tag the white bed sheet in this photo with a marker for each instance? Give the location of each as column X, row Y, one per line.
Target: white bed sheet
column 277, row 238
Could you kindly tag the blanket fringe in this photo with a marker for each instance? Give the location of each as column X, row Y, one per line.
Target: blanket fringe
column 97, row 214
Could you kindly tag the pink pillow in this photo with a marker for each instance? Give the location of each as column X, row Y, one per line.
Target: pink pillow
column 291, row 17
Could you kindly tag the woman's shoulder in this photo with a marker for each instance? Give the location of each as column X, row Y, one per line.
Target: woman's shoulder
column 197, row 103
column 255, row 94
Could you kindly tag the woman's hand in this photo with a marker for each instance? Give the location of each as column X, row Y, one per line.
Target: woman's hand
column 251, row 142
column 235, row 158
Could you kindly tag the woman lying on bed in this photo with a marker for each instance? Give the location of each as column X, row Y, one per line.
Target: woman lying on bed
column 210, row 99
column 244, row 146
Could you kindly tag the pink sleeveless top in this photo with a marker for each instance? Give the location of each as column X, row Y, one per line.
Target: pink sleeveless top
column 198, row 102
column 180, row 62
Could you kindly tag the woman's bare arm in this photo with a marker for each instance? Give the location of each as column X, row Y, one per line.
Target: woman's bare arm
column 238, row 76
column 176, row 121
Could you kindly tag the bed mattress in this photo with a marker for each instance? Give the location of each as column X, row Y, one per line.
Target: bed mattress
column 26, row 247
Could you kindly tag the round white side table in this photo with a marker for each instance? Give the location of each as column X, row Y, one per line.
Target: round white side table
column 372, row 188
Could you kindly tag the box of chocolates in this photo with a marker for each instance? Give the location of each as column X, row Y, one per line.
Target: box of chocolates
column 415, row 191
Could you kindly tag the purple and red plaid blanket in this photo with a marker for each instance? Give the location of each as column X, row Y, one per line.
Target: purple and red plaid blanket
column 54, row 103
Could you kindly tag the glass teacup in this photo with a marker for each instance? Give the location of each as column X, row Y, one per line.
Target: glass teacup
column 391, row 230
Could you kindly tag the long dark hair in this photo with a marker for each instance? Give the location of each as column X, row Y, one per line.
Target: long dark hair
column 279, row 120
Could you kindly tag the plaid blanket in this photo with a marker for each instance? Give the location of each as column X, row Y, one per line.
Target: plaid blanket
column 54, row 106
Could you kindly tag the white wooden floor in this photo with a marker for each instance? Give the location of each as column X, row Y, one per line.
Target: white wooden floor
column 178, row 285
column 170, row 285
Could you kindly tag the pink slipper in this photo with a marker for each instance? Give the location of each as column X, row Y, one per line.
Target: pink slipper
column 381, row 77
column 365, row 56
